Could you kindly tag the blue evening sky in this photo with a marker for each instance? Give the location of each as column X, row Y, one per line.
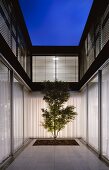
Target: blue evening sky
column 55, row 22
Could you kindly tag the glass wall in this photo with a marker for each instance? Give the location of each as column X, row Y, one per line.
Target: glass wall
column 64, row 68
column 27, row 109
column 21, row 110
column 4, row 112
column 83, row 113
column 93, row 112
column 105, row 112
column 18, row 114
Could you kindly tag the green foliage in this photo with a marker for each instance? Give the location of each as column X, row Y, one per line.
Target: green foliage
column 56, row 116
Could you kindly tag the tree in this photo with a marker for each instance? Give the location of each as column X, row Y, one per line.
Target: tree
column 56, row 116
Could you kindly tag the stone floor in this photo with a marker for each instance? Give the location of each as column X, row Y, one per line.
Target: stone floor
column 57, row 158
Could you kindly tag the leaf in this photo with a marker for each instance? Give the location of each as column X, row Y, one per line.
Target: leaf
column 56, row 116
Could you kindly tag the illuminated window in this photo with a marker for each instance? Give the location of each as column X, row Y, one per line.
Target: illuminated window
column 53, row 68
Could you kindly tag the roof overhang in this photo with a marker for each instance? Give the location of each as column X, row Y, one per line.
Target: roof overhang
column 55, row 50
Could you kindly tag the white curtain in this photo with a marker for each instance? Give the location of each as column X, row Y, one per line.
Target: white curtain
column 27, row 107
column 4, row 112
column 83, row 114
column 18, row 114
column 93, row 113
column 105, row 112
column 73, row 129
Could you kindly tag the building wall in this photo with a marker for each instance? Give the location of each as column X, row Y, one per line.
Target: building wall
column 95, row 130
column 96, row 39
column 73, row 129
column 18, row 114
column 90, row 115
column 5, row 138
column 105, row 112
column 27, row 109
column 83, row 110
column 14, row 112
column 27, row 113
column 12, row 33
column 93, row 112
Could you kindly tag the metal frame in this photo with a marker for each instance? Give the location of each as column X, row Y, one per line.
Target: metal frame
column 87, row 126
column 100, row 113
column 23, row 116
column 11, row 110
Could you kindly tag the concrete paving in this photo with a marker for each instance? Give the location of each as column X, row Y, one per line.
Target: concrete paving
column 57, row 158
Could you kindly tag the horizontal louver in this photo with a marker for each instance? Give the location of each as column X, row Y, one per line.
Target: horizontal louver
column 12, row 33
column 52, row 68
column 5, row 24
column 105, row 27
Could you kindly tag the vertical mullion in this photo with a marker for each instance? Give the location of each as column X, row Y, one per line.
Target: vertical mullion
column 87, row 126
column 12, row 113
column 100, row 112
column 23, row 118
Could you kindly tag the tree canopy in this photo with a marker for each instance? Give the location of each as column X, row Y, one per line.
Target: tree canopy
column 56, row 115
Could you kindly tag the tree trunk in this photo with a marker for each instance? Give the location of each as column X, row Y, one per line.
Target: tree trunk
column 54, row 128
column 55, row 136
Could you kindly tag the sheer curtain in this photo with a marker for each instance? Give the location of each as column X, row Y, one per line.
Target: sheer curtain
column 93, row 113
column 27, row 107
column 18, row 114
column 105, row 112
column 4, row 112
column 83, row 113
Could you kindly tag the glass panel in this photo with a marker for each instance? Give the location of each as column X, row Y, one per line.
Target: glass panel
column 18, row 114
column 55, row 67
column 4, row 112
column 105, row 112
column 93, row 113
column 27, row 108
column 83, row 113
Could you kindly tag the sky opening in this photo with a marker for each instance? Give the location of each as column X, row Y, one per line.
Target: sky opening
column 55, row 22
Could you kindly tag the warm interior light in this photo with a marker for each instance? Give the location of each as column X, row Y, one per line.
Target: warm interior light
column 56, row 58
